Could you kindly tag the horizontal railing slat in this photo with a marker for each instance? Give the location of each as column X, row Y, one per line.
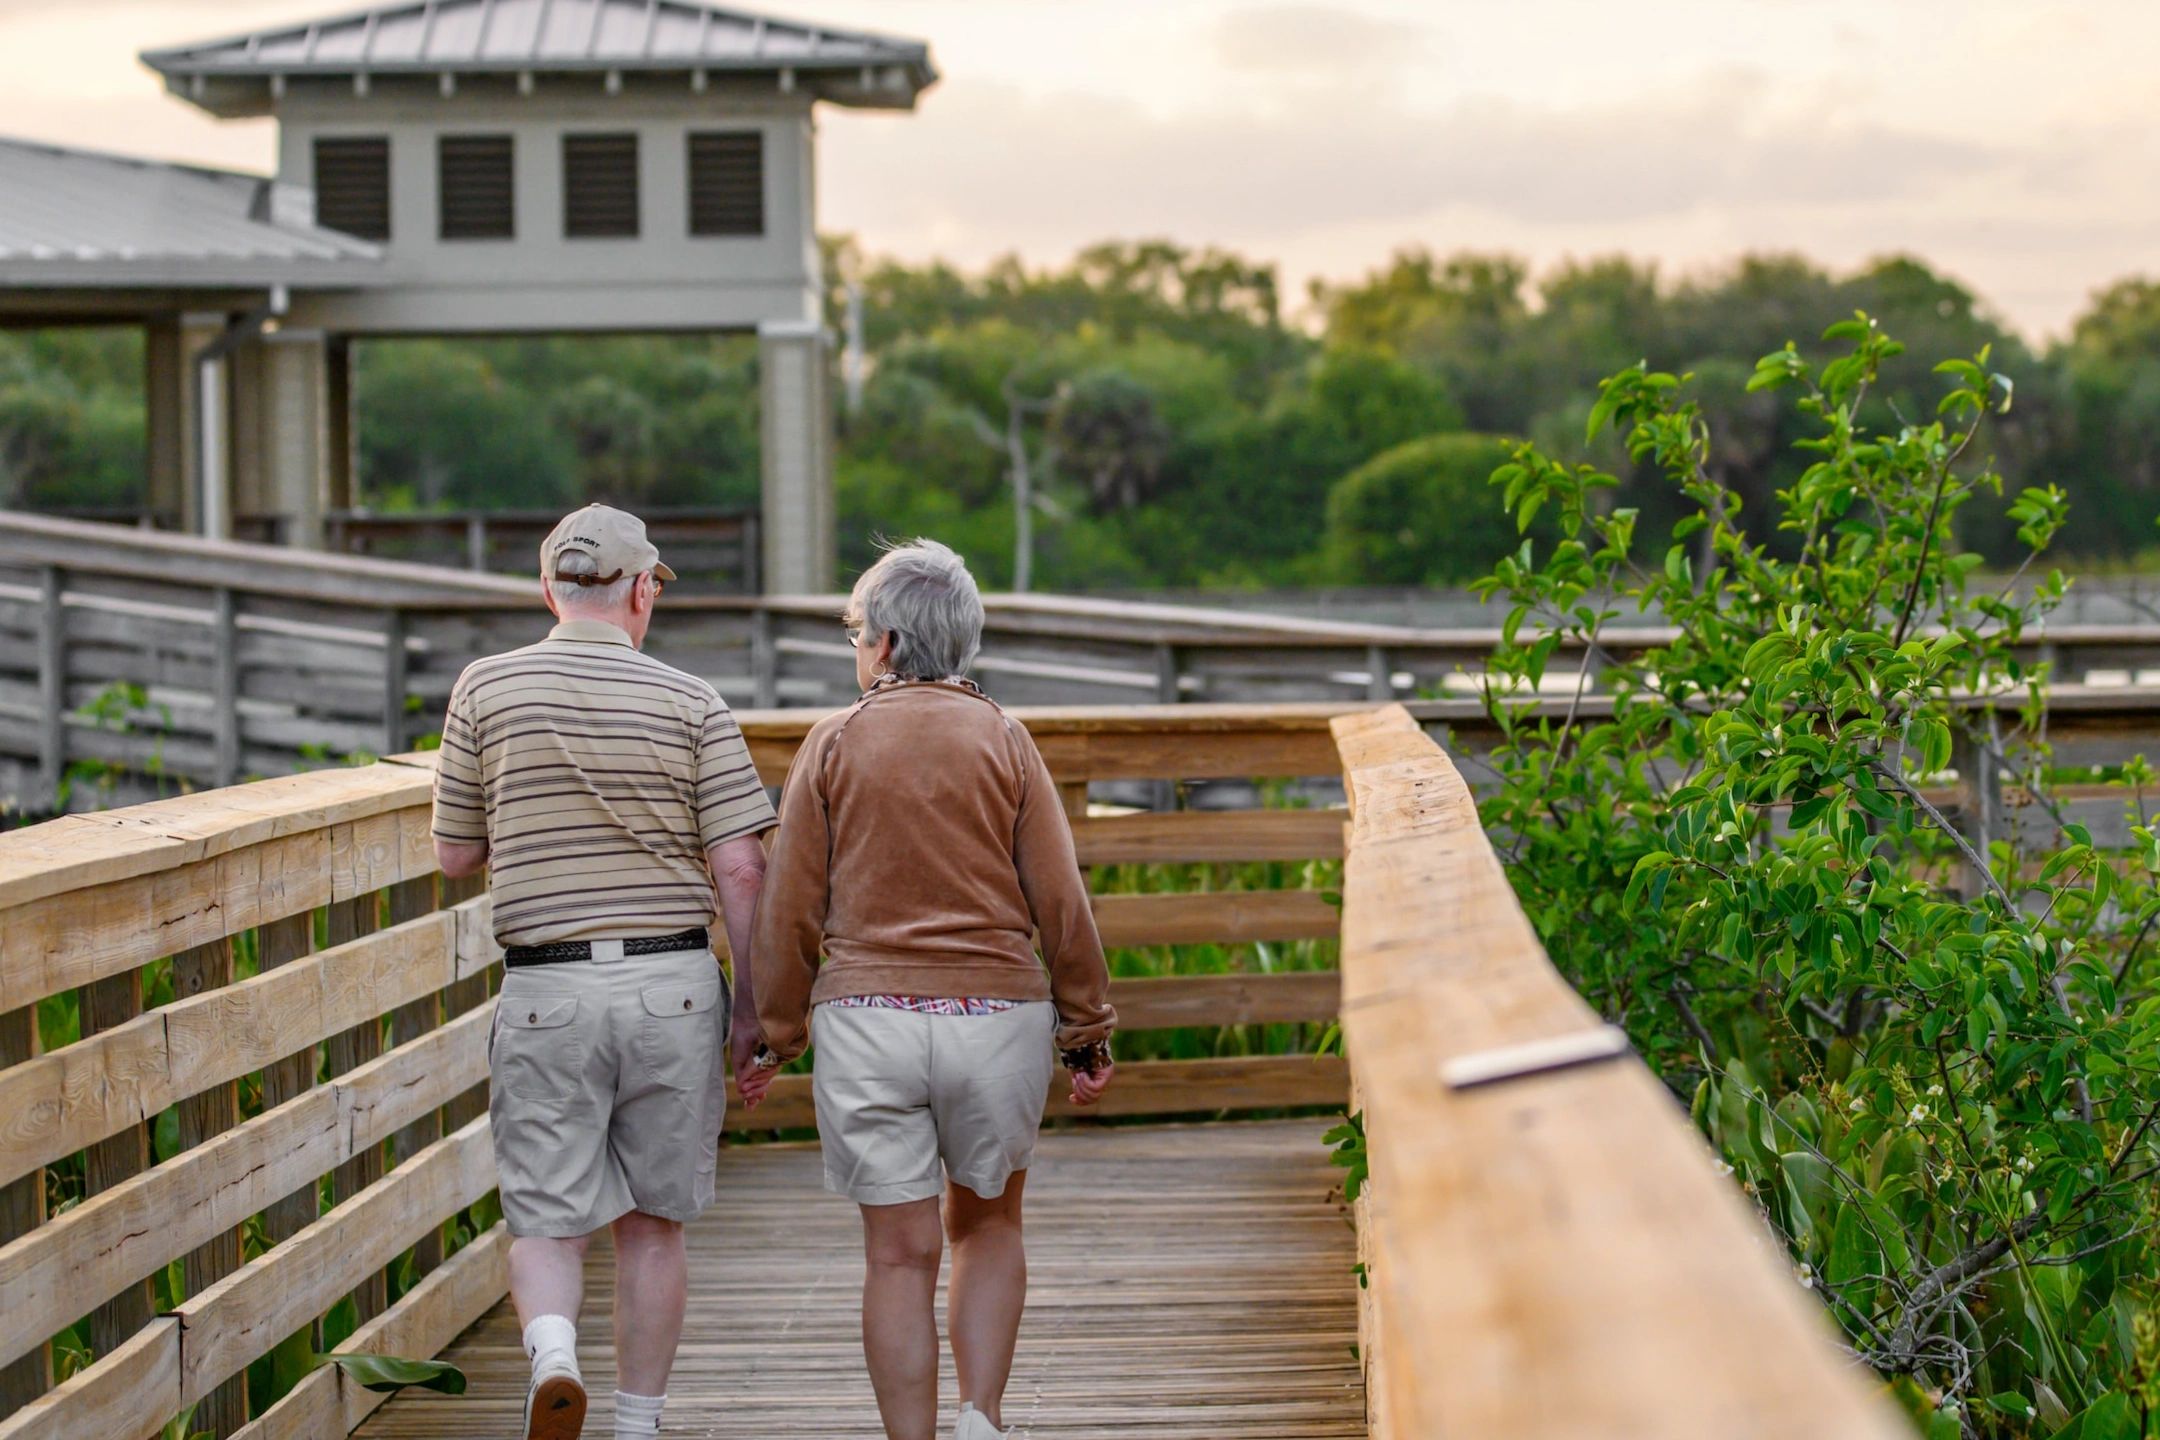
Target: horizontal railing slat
column 1179, row 836
column 75, row 1096
column 124, row 1395
column 422, row 1322
column 273, row 1295
column 1552, row 1256
column 57, row 1272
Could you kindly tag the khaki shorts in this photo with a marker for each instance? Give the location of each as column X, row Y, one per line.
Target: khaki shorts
column 608, row 1089
column 905, row 1099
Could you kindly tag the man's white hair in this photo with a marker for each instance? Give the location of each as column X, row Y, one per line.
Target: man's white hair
column 569, row 595
column 923, row 594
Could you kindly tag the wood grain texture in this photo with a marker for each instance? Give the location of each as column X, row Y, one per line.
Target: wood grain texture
column 126, row 1394
column 1185, row 1283
column 22, row 1209
column 246, row 1313
column 1216, row 917
column 1168, row 1001
column 132, row 1228
column 114, row 1002
column 423, row 1321
column 113, row 1079
column 1553, row 1256
column 203, row 1117
column 1184, row 836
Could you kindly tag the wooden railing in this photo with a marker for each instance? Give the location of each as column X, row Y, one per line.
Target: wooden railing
column 329, row 1015
column 1549, row 1254
column 133, row 664
column 711, row 551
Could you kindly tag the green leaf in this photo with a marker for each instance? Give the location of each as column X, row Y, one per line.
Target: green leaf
column 389, row 1373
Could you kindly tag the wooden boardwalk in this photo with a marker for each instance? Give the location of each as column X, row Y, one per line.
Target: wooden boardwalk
column 1187, row 1282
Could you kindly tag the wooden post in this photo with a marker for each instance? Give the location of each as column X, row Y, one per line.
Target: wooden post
column 750, row 579
column 462, row 998
column 104, row 1004
column 203, row 1117
column 349, row 920
column 1167, row 689
column 409, row 900
column 52, row 687
column 225, row 684
column 22, row 1209
column 1379, row 674
column 394, row 682
column 280, row 943
column 476, row 541
column 764, row 658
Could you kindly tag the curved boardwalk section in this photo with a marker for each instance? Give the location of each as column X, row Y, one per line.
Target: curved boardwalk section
column 1186, row 1283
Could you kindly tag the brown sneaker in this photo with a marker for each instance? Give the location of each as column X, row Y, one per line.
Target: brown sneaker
column 555, row 1404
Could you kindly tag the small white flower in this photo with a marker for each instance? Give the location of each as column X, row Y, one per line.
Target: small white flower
column 1917, row 1114
column 1723, row 1168
column 1806, row 1276
column 1935, row 1090
column 1857, row 1105
column 2024, row 1163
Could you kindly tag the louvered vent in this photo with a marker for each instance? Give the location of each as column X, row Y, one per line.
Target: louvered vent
column 478, row 194
column 352, row 186
column 600, row 186
column 727, row 182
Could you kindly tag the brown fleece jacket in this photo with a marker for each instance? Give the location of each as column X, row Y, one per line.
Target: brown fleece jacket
column 922, row 848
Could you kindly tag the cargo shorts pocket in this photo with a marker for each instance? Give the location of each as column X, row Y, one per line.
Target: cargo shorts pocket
column 679, row 1040
column 537, row 1053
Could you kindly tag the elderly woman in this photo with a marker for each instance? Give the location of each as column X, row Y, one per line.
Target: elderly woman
column 922, row 850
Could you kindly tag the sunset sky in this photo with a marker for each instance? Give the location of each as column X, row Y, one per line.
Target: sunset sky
column 2012, row 143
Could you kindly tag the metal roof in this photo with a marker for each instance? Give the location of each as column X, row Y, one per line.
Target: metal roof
column 85, row 217
column 453, row 36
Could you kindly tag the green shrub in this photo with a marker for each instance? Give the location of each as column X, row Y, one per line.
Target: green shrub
column 1418, row 514
column 1934, row 1070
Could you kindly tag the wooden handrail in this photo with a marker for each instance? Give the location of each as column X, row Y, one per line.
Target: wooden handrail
column 87, row 902
column 1553, row 1256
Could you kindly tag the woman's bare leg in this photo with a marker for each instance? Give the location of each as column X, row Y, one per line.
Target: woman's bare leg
column 987, row 1292
column 902, row 1245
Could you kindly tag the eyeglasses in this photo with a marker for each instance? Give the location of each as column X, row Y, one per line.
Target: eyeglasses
column 855, row 638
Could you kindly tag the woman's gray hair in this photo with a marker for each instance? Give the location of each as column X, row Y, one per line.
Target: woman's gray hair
column 923, row 594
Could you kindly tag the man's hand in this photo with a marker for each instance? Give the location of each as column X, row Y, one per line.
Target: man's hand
column 752, row 1080
column 1088, row 1085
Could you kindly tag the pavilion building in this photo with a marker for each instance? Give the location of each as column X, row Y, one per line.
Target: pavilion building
column 456, row 167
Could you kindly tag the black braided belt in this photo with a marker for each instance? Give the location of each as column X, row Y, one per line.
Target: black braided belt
column 565, row 951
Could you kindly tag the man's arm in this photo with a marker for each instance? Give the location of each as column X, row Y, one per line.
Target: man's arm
column 460, row 858
column 738, row 871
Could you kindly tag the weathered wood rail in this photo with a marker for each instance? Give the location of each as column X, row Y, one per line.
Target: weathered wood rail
column 713, row 551
column 329, row 1016
column 1551, row 1255
column 134, row 663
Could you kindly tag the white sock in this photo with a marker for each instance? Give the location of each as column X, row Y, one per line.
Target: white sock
column 637, row 1417
column 552, row 1337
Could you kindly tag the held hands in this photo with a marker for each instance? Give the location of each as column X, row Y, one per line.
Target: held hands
column 752, row 1080
column 1088, row 1085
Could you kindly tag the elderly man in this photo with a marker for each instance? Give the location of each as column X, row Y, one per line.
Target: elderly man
column 612, row 800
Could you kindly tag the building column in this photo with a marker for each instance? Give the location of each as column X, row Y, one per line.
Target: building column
column 297, row 447
column 173, row 496
column 796, row 437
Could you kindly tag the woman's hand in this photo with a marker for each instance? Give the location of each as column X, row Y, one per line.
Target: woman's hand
column 1088, row 1085
column 752, row 1080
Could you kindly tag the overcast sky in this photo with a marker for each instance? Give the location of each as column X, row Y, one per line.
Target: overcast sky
column 2014, row 143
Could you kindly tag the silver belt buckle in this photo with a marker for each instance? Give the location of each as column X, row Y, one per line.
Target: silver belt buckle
column 607, row 952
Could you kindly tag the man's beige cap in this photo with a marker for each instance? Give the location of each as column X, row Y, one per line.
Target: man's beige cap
column 614, row 538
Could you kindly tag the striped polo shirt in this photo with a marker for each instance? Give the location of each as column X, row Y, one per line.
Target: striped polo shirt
column 598, row 778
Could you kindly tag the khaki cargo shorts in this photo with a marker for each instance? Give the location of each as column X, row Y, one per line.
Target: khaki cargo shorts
column 608, row 1089
column 905, row 1099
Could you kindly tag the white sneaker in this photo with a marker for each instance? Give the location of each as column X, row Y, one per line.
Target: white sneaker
column 555, row 1402
column 974, row 1425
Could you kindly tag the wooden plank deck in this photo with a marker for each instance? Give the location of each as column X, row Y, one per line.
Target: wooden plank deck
column 1187, row 1282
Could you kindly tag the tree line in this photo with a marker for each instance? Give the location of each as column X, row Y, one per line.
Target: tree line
column 1181, row 423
